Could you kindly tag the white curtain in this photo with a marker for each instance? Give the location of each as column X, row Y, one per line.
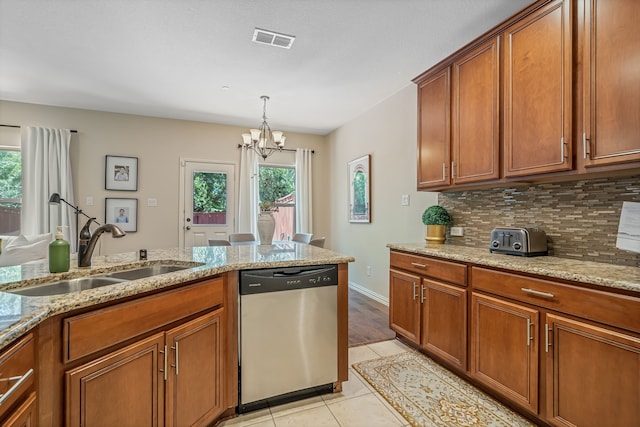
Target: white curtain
column 46, row 169
column 248, row 192
column 304, row 191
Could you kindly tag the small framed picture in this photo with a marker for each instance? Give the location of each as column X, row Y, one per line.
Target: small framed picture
column 121, row 173
column 122, row 212
column 360, row 189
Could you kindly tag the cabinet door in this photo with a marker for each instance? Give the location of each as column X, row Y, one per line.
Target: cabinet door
column 475, row 115
column 593, row 375
column 444, row 321
column 124, row 388
column 504, row 348
column 195, row 381
column 537, row 92
column 611, row 82
column 404, row 305
column 434, row 134
column 25, row 415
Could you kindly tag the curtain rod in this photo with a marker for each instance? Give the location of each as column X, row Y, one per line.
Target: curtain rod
column 282, row 149
column 18, row 127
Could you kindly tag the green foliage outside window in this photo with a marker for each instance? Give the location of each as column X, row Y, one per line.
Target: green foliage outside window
column 209, row 192
column 10, row 176
column 276, row 182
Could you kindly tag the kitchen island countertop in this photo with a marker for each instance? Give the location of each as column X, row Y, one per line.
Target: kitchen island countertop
column 19, row 314
column 594, row 273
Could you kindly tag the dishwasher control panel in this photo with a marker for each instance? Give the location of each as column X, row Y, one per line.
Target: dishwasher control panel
column 287, row 278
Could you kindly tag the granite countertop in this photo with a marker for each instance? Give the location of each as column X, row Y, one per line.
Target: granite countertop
column 19, row 314
column 594, row 273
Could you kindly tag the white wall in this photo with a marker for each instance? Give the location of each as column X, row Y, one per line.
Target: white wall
column 158, row 144
column 389, row 133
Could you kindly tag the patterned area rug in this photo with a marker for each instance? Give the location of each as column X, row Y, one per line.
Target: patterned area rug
column 428, row 395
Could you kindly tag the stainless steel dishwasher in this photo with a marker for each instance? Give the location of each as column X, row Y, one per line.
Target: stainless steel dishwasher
column 288, row 334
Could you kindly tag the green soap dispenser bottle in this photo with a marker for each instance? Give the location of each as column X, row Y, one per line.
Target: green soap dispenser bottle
column 59, row 253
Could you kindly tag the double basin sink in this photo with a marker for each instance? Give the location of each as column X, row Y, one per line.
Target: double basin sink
column 84, row 283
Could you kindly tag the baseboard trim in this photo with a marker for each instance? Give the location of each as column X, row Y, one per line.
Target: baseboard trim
column 369, row 293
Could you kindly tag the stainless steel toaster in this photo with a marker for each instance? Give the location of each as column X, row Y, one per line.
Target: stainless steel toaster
column 519, row 241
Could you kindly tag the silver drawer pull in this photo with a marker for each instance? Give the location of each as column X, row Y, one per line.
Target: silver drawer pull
column 415, row 264
column 538, row 293
column 17, row 385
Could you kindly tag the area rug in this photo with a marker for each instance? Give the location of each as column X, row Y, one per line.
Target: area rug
column 426, row 394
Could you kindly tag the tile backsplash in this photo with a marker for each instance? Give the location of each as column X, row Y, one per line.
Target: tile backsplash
column 580, row 217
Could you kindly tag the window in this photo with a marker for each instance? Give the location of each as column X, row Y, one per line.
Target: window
column 278, row 184
column 10, row 190
column 209, row 198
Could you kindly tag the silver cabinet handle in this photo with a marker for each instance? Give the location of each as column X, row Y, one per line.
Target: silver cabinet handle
column 547, row 329
column 584, row 145
column 529, row 335
column 176, row 350
column 562, row 155
column 19, row 382
column 422, row 297
column 415, row 294
column 444, row 172
column 164, row 371
column 453, row 170
column 415, row 264
column 538, row 293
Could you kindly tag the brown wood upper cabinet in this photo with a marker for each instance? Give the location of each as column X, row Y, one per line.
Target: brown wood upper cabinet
column 611, row 82
column 475, row 115
column 434, row 139
column 459, row 120
column 537, row 92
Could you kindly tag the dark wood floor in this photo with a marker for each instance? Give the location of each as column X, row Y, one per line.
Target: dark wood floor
column 368, row 320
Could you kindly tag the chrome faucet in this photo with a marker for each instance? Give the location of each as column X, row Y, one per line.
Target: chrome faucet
column 87, row 242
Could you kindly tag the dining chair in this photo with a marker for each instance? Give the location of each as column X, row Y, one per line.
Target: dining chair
column 319, row 242
column 219, row 242
column 302, row 237
column 242, row 237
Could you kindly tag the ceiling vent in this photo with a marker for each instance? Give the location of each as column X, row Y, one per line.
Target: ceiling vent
column 272, row 38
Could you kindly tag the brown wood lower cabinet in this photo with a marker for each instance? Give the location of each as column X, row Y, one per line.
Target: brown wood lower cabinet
column 504, row 348
column 427, row 310
column 172, row 378
column 124, row 388
column 557, row 351
column 25, row 415
column 194, row 386
column 593, row 374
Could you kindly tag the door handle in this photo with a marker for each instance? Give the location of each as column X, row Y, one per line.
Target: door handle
column 188, row 227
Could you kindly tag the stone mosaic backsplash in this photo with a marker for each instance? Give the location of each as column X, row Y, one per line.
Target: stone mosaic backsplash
column 580, row 217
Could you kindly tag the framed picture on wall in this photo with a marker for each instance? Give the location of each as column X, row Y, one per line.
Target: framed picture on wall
column 122, row 212
column 121, row 173
column 359, row 189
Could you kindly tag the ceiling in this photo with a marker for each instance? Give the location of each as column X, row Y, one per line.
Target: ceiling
column 173, row 58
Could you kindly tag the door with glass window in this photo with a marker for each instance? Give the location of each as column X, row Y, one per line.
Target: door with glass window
column 208, row 202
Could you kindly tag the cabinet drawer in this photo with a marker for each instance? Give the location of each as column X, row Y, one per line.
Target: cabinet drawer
column 431, row 267
column 90, row 332
column 613, row 309
column 16, row 373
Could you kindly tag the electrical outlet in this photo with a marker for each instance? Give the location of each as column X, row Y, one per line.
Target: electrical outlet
column 368, row 270
column 89, row 201
column 457, row 231
column 152, row 202
column 404, row 200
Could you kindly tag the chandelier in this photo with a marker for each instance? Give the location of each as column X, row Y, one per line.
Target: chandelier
column 264, row 141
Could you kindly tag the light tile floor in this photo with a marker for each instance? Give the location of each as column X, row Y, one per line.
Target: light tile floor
column 358, row 405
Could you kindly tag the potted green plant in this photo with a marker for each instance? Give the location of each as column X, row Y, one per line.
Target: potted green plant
column 436, row 218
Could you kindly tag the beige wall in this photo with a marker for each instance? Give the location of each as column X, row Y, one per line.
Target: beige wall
column 388, row 133
column 158, row 144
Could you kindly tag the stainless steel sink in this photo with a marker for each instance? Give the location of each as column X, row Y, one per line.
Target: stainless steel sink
column 143, row 272
column 84, row 283
column 66, row 286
